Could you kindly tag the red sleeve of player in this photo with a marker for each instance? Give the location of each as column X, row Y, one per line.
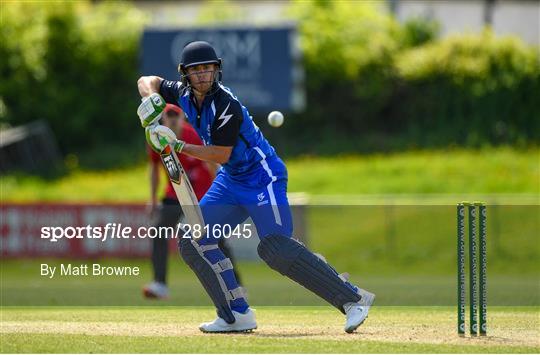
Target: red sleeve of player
column 154, row 157
column 189, row 135
column 196, row 169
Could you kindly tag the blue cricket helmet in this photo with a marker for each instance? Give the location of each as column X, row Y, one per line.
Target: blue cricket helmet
column 195, row 53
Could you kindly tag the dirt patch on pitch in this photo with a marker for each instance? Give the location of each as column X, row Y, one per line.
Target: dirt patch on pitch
column 399, row 333
column 416, row 334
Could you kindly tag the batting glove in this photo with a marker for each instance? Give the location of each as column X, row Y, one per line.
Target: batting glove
column 153, row 139
column 167, row 135
column 150, row 109
column 158, row 137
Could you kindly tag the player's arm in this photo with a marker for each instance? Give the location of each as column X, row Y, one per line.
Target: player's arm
column 149, row 85
column 209, row 153
column 155, row 92
column 158, row 137
column 168, row 89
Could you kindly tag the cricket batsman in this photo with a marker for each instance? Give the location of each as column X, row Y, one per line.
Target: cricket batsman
column 252, row 182
column 201, row 174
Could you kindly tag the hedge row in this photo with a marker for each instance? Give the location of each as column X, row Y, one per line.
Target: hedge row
column 73, row 64
column 372, row 83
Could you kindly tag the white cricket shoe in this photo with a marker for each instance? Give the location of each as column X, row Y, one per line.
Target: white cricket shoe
column 157, row 290
column 357, row 312
column 244, row 322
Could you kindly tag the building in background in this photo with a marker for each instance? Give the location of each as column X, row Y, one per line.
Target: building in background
column 507, row 17
column 189, row 13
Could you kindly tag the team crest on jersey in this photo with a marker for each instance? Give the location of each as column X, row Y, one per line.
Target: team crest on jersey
column 261, row 198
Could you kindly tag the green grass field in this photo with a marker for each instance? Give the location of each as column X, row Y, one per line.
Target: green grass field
column 23, row 286
column 398, row 246
column 413, row 313
column 485, row 171
column 281, row 330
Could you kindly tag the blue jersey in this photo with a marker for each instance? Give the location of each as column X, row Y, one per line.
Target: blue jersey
column 223, row 121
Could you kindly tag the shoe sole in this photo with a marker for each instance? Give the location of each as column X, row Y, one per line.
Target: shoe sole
column 355, row 326
column 228, row 331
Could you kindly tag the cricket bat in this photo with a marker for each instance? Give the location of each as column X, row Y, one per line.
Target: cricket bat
column 184, row 191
